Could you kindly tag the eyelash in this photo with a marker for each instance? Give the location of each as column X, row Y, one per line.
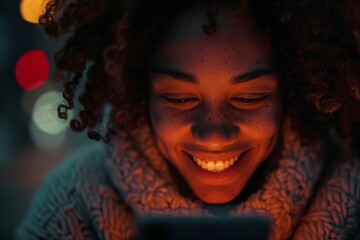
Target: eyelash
column 180, row 100
column 250, row 100
column 237, row 99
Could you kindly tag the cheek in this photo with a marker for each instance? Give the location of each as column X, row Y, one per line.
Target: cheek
column 169, row 128
column 262, row 124
column 161, row 123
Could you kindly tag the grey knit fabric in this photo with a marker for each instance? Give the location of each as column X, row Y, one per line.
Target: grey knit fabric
column 77, row 201
column 92, row 195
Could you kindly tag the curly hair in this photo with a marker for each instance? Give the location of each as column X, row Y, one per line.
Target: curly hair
column 109, row 41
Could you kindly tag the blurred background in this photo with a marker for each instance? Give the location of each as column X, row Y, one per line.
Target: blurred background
column 32, row 139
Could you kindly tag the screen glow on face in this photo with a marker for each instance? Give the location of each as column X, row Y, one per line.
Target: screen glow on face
column 215, row 105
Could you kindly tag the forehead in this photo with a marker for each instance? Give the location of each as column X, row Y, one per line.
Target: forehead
column 190, row 22
column 236, row 39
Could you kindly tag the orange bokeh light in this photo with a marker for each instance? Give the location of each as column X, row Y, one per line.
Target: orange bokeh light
column 32, row 9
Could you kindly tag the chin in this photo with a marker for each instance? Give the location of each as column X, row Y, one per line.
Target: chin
column 216, row 196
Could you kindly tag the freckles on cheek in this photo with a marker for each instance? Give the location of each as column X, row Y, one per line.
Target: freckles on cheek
column 164, row 122
column 262, row 124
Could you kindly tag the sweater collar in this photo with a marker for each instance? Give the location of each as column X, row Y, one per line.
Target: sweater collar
column 143, row 179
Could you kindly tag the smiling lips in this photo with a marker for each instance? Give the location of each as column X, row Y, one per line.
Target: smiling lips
column 218, row 166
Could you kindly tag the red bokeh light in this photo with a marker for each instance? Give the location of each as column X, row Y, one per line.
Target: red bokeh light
column 32, row 69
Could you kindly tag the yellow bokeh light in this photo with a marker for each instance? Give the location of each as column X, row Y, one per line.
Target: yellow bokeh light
column 32, row 9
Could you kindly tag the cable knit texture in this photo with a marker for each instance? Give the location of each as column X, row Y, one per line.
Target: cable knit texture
column 92, row 196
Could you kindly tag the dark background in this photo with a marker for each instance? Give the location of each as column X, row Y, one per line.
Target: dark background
column 27, row 153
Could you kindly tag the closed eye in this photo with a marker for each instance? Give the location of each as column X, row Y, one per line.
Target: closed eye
column 180, row 100
column 250, row 100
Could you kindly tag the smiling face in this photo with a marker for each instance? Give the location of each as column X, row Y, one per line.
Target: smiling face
column 215, row 105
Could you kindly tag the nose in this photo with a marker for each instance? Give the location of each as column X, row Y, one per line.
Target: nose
column 214, row 136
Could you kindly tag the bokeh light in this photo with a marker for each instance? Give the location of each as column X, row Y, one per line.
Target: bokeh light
column 29, row 97
column 45, row 116
column 32, row 69
column 32, row 9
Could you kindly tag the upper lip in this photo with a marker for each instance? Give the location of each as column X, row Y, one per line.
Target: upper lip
column 215, row 156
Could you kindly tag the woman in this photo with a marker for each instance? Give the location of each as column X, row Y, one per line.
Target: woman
column 249, row 105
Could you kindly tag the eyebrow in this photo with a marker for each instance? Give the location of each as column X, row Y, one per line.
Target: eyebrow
column 179, row 75
column 186, row 77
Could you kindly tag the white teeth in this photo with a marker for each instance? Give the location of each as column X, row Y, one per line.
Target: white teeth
column 232, row 162
column 203, row 164
column 217, row 166
column 211, row 166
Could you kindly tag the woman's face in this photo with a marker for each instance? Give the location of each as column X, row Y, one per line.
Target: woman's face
column 215, row 105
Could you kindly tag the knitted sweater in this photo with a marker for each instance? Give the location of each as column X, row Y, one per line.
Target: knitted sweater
column 96, row 196
column 78, row 201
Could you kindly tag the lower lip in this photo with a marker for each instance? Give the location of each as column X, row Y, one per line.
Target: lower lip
column 217, row 177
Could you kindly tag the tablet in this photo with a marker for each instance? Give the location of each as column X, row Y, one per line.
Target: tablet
column 202, row 228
